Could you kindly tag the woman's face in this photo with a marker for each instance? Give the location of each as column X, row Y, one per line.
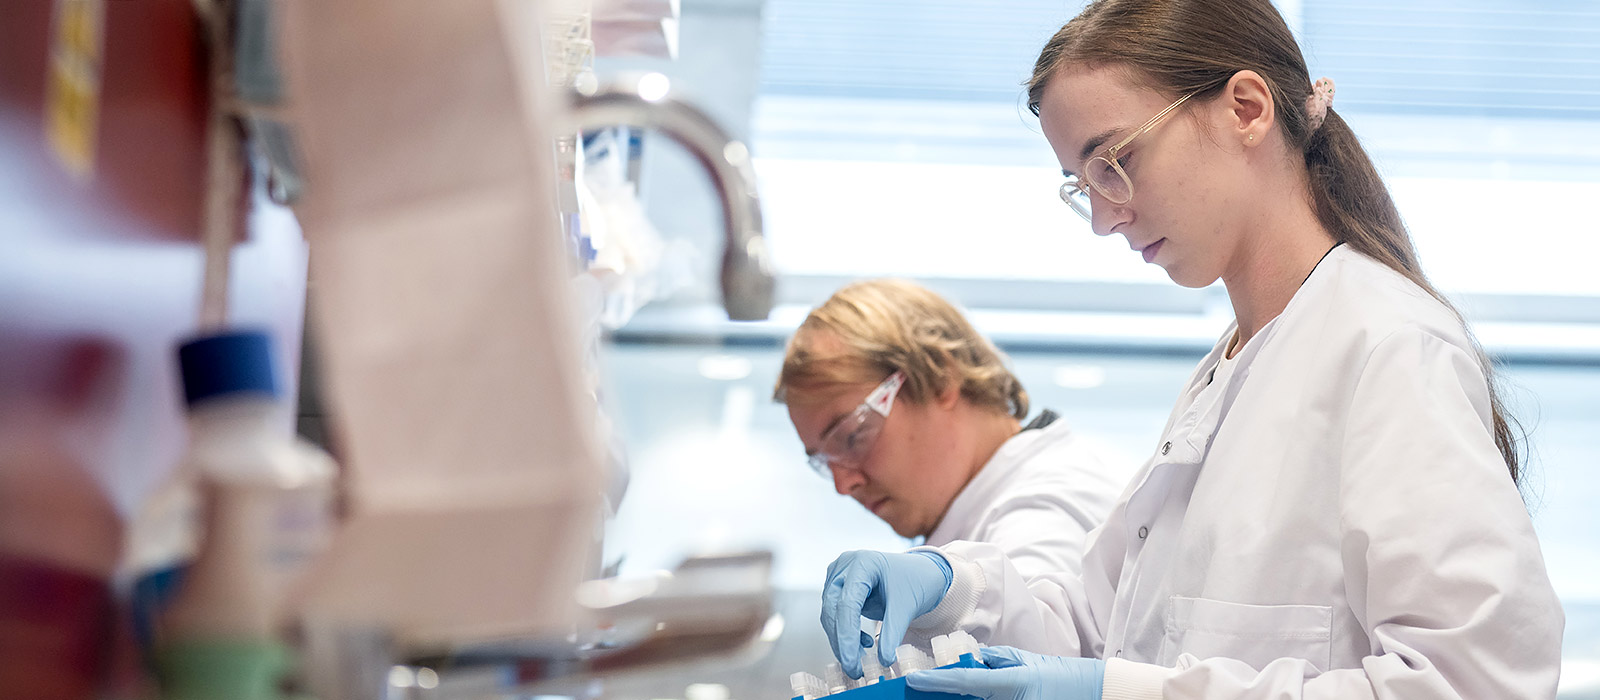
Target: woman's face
column 912, row 471
column 1186, row 191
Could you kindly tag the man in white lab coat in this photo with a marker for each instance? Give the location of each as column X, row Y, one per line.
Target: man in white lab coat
column 911, row 412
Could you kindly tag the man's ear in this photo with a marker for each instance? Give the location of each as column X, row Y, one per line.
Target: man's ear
column 951, row 393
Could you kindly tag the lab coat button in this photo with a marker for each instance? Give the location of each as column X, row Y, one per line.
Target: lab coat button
column 1143, row 531
column 1166, row 448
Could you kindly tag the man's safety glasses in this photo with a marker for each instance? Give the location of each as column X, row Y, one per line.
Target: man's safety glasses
column 850, row 440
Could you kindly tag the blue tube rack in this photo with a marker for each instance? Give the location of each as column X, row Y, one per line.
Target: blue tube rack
column 896, row 689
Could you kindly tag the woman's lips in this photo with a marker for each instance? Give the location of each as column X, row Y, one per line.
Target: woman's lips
column 1149, row 251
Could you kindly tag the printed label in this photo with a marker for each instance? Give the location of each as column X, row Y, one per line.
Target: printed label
column 72, row 98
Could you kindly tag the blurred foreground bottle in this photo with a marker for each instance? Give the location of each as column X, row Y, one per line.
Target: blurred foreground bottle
column 266, row 499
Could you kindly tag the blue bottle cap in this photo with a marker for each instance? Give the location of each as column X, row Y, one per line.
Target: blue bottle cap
column 230, row 362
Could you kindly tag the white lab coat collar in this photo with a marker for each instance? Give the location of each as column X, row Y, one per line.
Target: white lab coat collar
column 985, row 486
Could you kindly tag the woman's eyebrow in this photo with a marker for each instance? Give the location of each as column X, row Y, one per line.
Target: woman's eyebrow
column 1095, row 142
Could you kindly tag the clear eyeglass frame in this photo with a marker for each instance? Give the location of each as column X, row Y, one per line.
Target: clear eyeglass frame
column 1104, row 172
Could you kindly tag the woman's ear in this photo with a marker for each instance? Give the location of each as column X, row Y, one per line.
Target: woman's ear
column 1251, row 113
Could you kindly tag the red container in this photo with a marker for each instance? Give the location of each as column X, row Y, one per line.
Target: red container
column 148, row 156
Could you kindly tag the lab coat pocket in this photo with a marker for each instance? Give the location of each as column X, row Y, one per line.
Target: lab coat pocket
column 1254, row 634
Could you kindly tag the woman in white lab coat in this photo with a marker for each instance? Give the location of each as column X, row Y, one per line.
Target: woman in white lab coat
column 1332, row 509
column 913, row 413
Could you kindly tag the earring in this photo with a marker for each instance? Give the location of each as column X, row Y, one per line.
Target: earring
column 1251, row 137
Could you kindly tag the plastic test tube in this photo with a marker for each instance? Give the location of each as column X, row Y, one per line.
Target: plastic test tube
column 807, row 686
column 835, row 678
column 911, row 659
column 944, row 652
column 871, row 670
column 964, row 644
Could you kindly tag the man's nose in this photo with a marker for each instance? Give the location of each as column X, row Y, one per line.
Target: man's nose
column 845, row 479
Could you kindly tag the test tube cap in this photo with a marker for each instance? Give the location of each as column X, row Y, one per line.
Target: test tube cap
column 227, row 363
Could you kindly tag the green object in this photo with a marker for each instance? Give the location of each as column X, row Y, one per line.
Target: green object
column 222, row 669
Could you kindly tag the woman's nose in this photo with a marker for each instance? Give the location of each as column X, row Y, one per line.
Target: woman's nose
column 1106, row 216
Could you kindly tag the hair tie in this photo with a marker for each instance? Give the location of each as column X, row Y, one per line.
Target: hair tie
column 1318, row 101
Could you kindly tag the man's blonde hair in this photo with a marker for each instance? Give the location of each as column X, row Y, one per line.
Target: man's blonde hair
column 892, row 324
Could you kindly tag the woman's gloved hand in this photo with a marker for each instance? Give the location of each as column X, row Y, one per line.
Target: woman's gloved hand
column 1014, row 674
column 894, row 588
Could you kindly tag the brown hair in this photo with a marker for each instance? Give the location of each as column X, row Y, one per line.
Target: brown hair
column 1183, row 46
column 889, row 324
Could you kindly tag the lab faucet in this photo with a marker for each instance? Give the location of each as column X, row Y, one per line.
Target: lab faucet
column 643, row 102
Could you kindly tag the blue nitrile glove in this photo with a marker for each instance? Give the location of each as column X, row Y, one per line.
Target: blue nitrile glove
column 1014, row 674
column 894, row 588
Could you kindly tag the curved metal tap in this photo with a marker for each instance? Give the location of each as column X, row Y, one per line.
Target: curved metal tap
column 643, row 102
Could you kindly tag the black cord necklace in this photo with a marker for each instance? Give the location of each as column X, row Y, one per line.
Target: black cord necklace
column 1228, row 350
column 1319, row 263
